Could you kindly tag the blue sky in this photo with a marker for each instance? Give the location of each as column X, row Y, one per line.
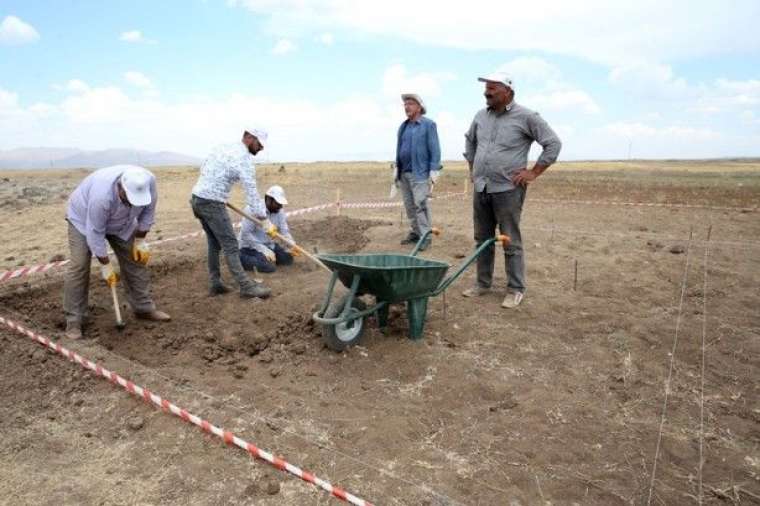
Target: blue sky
column 324, row 76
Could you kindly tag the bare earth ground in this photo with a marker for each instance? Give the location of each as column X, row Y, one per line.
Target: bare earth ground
column 559, row 402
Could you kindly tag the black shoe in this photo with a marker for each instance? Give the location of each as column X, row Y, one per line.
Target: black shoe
column 410, row 239
column 255, row 290
column 217, row 289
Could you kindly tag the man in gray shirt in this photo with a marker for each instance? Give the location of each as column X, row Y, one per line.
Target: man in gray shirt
column 496, row 149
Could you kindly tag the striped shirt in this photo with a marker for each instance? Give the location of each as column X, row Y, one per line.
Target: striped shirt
column 226, row 165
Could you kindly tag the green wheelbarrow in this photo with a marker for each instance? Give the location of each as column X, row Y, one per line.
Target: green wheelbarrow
column 390, row 278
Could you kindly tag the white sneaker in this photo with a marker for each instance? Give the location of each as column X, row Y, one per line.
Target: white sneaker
column 476, row 291
column 512, row 300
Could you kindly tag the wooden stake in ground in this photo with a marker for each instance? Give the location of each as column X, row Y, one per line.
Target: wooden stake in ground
column 337, row 202
column 575, row 278
column 285, row 240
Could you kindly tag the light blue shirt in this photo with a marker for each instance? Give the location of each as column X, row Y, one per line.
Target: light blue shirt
column 254, row 237
column 96, row 210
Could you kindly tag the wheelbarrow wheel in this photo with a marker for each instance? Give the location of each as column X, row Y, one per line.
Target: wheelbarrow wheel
column 340, row 336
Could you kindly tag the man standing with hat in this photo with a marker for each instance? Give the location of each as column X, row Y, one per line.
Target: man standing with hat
column 226, row 165
column 116, row 205
column 496, row 149
column 258, row 251
column 418, row 165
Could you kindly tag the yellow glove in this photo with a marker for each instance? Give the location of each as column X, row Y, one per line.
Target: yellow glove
column 269, row 228
column 110, row 276
column 295, row 252
column 140, row 251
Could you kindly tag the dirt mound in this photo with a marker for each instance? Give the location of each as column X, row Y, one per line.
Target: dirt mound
column 335, row 234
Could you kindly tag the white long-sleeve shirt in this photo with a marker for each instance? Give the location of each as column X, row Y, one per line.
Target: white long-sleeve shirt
column 254, row 237
column 226, row 165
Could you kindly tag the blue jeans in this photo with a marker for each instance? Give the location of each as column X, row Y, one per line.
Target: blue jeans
column 252, row 259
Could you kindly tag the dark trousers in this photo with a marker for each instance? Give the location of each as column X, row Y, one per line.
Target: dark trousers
column 220, row 237
column 502, row 210
column 255, row 260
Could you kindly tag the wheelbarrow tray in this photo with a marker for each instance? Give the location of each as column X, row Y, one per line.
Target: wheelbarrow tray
column 389, row 277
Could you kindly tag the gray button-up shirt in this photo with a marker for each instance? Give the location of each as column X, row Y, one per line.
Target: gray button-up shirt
column 497, row 144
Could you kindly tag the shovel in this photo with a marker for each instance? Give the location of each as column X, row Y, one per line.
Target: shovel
column 117, row 309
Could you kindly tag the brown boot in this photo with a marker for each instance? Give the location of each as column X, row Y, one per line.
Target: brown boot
column 154, row 316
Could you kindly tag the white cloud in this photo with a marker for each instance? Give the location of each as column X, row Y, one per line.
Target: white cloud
column 644, row 131
column 650, row 80
column 327, row 39
column 595, row 30
column 138, row 79
column 531, row 70
column 283, row 46
column 397, row 80
column 77, row 86
column 135, row 37
column 562, row 100
column 540, row 85
column 14, row 31
column 7, row 99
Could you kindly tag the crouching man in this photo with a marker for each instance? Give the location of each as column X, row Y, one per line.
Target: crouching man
column 258, row 251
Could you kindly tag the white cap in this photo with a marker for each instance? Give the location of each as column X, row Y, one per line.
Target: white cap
column 498, row 77
column 260, row 134
column 416, row 98
column 278, row 194
column 136, row 183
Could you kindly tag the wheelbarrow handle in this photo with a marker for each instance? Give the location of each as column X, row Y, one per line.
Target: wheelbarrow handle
column 434, row 231
column 503, row 239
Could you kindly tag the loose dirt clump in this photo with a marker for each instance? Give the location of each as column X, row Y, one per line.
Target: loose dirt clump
column 338, row 234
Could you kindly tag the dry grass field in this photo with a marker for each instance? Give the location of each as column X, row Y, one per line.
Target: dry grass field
column 637, row 384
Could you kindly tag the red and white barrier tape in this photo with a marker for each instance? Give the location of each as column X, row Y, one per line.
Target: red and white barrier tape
column 41, row 268
column 312, row 209
column 207, row 427
column 29, row 270
column 37, row 269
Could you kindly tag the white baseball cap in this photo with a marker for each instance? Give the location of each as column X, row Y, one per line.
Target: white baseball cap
column 136, row 183
column 278, row 194
column 498, row 77
column 259, row 133
column 416, row 98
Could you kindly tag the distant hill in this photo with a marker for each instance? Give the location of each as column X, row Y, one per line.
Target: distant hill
column 69, row 158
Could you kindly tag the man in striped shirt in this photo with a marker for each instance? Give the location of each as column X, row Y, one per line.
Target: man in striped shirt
column 226, row 165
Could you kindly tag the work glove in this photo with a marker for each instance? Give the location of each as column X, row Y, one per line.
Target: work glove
column 295, row 252
column 140, row 251
column 434, row 175
column 110, row 276
column 269, row 228
column 270, row 256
